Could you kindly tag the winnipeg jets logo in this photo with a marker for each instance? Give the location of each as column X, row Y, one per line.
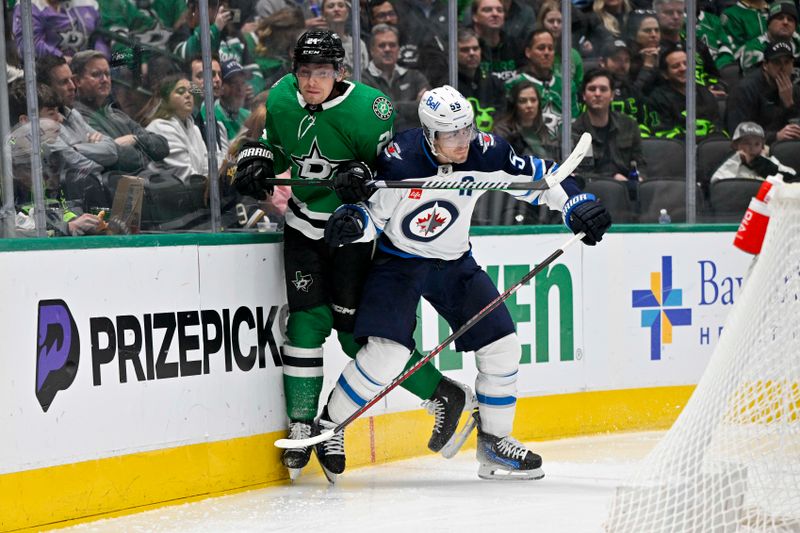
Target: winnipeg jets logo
column 393, row 150
column 302, row 281
column 486, row 140
column 429, row 221
column 314, row 165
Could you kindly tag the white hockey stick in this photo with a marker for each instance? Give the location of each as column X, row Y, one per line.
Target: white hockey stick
column 325, row 435
column 566, row 168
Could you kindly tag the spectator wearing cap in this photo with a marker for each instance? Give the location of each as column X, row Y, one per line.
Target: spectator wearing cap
column 767, row 96
column 626, row 98
column 404, row 86
column 616, row 141
column 485, row 92
column 745, row 20
column 781, row 26
column 229, row 108
column 752, row 159
column 136, row 147
column 668, row 100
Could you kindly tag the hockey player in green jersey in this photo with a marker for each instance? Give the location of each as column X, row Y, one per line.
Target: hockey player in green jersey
column 322, row 126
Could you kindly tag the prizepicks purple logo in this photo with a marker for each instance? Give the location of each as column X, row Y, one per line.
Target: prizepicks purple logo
column 57, row 351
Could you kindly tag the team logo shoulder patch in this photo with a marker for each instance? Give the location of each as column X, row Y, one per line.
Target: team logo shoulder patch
column 382, row 108
column 486, row 141
column 393, row 150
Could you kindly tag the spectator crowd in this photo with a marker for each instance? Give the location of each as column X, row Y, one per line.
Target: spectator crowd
column 120, row 89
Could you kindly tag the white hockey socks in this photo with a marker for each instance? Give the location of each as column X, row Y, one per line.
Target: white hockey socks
column 376, row 364
column 496, row 384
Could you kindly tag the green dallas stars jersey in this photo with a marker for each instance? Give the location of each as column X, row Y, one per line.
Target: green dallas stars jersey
column 354, row 126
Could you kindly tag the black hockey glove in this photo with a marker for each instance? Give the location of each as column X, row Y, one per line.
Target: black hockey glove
column 763, row 166
column 345, row 225
column 584, row 213
column 253, row 166
column 351, row 182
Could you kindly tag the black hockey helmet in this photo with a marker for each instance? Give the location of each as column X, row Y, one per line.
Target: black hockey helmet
column 319, row 46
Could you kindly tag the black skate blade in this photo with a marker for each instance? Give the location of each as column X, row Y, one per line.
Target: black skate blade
column 498, row 473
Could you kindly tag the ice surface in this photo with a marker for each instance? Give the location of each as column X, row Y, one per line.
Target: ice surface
column 420, row 495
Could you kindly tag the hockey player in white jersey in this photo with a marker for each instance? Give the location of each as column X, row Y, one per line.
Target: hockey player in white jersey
column 424, row 251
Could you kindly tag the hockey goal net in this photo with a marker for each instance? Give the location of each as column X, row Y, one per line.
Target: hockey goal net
column 731, row 462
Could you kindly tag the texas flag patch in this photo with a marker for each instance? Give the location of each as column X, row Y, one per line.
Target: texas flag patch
column 415, row 194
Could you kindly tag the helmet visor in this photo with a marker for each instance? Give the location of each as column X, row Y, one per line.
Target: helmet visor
column 457, row 138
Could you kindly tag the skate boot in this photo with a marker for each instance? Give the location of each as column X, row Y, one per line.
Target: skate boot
column 506, row 458
column 449, row 400
column 330, row 453
column 295, row 459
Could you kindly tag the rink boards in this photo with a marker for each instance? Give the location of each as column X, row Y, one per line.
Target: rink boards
column 142, row 371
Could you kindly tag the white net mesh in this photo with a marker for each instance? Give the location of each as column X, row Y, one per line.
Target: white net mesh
column 731, row 462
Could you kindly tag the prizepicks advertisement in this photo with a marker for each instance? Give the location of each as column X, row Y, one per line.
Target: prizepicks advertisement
column 115, row 351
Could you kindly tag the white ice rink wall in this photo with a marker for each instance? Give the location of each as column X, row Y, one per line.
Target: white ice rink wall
column 140, row 371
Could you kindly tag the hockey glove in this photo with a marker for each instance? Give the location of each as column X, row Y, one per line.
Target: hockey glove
column 345, row 225
column 584, row 213
column 351, row 182
column 253, row 166
column 763, row 166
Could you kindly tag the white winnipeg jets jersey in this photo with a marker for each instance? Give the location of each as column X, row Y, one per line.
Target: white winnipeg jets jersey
column 434, row 223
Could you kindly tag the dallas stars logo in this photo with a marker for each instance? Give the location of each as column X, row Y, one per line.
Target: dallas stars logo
column 382, row 108
column 314, row 165
column 302, row 281
column 72, row 38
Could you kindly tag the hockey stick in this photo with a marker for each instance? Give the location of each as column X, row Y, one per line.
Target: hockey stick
column 327, row 434
column 565, row 169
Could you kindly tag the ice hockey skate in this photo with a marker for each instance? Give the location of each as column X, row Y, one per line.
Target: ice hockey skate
column 330, row 453
column 449, row 400
column 506, row 458
column 295, row 459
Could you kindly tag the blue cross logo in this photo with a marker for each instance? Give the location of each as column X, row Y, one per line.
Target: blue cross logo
column 662, row 311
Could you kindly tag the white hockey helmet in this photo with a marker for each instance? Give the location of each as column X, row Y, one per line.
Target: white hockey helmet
column 444, row 109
